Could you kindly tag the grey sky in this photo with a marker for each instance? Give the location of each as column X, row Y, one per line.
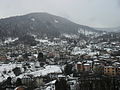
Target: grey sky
column 95, row 13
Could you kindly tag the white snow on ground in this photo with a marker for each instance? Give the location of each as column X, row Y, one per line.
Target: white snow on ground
column 10, row 40
column 52, row 82
column 48, row 88
column 36, row 55
column 56, row 21
column 70, row 35
column 86, row 32
column 8, row 69
column 45, row 41
column 33, row 19
column 41, row 40
column 48, row 69
column 50, row 85
column 40, row 72
column 78, row 50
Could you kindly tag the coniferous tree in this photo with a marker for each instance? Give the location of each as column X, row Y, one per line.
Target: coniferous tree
column 68, row 69
column 18, row 82
column 17, row 71
column 40, row 57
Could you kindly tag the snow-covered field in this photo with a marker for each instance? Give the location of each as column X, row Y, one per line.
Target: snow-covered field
column 44, row 71
column 6, row 71
column 9, row 40
column 78, row 50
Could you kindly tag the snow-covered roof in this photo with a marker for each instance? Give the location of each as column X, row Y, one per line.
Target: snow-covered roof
column 86, row 64
column 9, row 40
column 96, row 60
column 7, row 67
column 61, row 76
column 48, row 69
column 79, row 63
column 52, row 82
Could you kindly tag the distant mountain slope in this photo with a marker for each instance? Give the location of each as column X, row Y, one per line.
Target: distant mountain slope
column 40, row 24
column 117, row 29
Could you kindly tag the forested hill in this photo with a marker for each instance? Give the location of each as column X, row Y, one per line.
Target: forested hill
column 40, row 24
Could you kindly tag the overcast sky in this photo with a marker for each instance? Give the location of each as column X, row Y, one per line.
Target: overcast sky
column 95, row 13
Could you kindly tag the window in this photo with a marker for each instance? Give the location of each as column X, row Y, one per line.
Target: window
column 113, row 68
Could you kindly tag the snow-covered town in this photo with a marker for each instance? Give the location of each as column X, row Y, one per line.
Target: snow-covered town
column 59, row 44
column 68, row 59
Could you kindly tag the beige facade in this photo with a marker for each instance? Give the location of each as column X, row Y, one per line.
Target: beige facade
column 110, row 70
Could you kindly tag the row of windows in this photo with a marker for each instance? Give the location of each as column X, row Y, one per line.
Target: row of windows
column 109, row 71
column 110, row 68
